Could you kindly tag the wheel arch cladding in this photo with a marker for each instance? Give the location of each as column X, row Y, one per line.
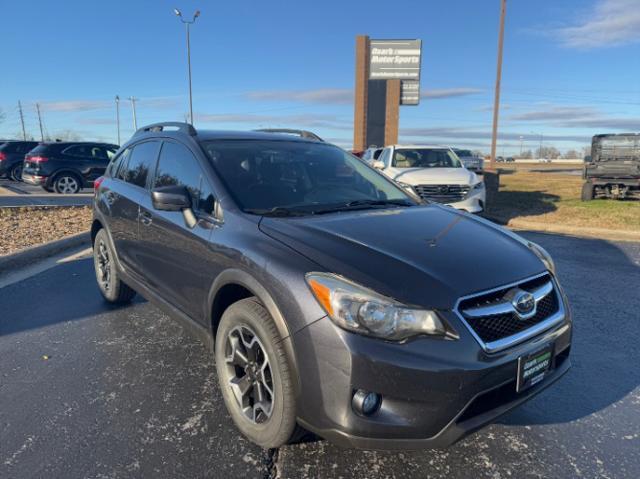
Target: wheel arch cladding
column 238, row 284
column 96, row 226
column 233, row 285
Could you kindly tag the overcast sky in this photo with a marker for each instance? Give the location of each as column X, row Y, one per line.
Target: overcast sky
column 571, row 68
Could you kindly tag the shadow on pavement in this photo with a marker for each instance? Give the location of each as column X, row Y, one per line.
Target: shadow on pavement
column 65, row 293
column 601, row 280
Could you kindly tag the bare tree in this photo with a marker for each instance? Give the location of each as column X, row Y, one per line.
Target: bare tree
column 550, row 152
column 571, row 155
column 65, row 135
column 526, row 155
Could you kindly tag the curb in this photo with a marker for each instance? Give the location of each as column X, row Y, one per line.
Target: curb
column 35, row 253
column 598, row 233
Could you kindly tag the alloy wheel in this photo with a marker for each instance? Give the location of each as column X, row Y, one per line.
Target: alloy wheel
column 249, row 374
column 103, row 262
column 67, row 185
column 16, row 173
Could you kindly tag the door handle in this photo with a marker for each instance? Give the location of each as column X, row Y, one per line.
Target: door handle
column 145, row 218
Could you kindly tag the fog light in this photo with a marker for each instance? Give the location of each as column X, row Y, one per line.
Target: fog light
column 366, row 403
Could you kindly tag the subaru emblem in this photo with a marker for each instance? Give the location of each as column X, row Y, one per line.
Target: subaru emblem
column 524, row 304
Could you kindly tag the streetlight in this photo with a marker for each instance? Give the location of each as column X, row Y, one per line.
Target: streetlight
column 188, row 24
column 118, row 116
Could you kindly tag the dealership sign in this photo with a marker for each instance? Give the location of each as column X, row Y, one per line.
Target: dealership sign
column 409, row 92
column 394, row 59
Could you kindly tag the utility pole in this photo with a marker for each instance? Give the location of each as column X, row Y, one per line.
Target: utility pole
column 24, row 133
column 118, row 117
column 521, row 141
column 188, row 24
column 133, row 109
column 40, row 121
column 540, row 150
column 496, row 103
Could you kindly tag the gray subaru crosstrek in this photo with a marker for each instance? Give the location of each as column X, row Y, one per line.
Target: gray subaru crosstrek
column 334, row 300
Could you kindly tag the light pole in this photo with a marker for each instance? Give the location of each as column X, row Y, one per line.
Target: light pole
column 118, row 116
column 188, row 23
column 133, row 111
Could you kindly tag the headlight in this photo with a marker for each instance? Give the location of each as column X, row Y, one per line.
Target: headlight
column 544, row 256
column 358, row 309
column 478, row 186
column 406, row 186
column 410, row 189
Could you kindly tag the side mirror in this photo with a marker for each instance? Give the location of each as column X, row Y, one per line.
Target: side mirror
column 171, row 198
column 378, row 165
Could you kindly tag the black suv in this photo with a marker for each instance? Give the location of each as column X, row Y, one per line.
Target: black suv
column 334, row 300
column 613, row 169
column 11, row 157
column 66, row 167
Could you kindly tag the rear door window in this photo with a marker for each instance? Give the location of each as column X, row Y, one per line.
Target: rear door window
column 114, row 167
column 80, row 151
column 140, row 162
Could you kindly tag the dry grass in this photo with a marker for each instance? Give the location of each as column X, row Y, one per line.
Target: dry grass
column 553, row 198
column 24, row 227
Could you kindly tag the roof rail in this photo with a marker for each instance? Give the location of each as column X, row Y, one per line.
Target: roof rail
column 301, row 133
column 182, row 127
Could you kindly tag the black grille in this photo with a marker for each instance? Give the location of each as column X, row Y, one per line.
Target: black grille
column 442, row 193
column 493, row 328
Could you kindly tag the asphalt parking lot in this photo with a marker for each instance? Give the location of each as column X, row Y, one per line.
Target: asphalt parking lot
column 87, row 390
column 13, row 194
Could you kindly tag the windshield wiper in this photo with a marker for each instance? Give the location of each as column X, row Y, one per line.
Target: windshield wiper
column 276, row 211
column 380, row 203
column 364, row 204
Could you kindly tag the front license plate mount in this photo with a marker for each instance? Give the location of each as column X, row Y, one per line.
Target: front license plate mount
column 534, row 367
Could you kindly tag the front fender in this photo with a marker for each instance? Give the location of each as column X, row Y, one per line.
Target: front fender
column 244, row 279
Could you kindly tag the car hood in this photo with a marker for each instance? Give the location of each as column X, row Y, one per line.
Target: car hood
column 434, row 176
column 425, row 255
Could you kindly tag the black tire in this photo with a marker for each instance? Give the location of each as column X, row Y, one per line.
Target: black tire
column 587, row 191
column 111, row 286
column 67, row 184
column 16, row 172
column 249, row 317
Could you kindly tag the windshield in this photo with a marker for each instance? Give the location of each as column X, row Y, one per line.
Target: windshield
column 464, row 153
column 281, row 177
column 425, row 158
column 616, row 147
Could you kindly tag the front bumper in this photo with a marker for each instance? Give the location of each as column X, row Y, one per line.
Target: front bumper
column 434, row 391
column 473, row 203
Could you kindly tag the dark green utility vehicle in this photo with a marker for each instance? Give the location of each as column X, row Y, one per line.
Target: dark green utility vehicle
column 613, row 170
